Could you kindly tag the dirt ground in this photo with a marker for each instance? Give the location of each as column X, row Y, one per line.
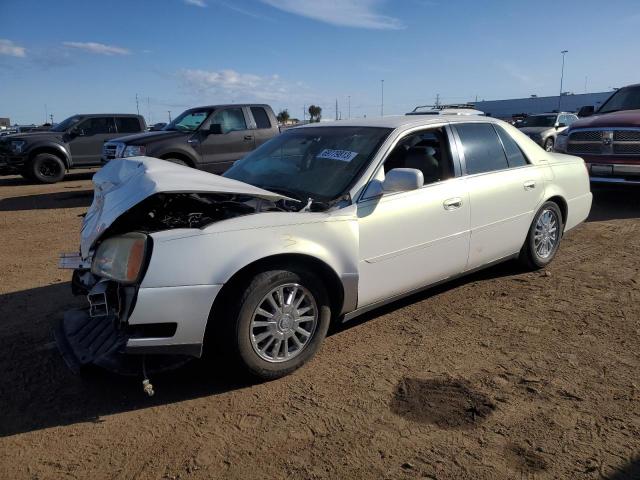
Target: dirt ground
column 502, row 375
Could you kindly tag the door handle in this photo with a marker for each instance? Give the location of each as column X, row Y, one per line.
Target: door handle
column 452, row 203
column 529, row 185
column 248, row 137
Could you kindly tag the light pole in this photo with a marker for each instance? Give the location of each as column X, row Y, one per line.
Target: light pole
column 382, row 98
column 169, row 112
column 563, row 52
column 349, row 106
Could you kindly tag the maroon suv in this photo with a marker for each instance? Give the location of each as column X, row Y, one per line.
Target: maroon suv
column 608, row 140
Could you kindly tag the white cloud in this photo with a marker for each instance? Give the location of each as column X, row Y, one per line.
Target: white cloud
column 7, row 47
column 343, row 13
column 229, row 85
column 196, row 3
column 98, row 48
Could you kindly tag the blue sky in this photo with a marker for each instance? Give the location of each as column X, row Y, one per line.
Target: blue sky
column 90, row 56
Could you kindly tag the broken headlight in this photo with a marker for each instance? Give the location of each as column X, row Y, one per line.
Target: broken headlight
column 121, row 258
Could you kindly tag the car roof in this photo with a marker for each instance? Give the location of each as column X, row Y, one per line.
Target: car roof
column 400, row 121
column 225, row 105
column 550, row 113
column 106, row 114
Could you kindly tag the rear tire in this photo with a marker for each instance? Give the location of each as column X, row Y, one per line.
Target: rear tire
column 47, row 168
column 258, row 334
column 543, row 238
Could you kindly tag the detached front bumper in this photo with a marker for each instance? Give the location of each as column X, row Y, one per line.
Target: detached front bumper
column 124, row 322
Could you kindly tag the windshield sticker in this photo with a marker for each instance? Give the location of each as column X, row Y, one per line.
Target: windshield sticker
column 342, row 155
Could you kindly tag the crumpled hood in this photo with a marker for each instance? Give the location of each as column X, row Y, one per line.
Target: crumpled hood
column 123, row 183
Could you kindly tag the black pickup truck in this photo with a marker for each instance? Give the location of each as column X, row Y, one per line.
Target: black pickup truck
column 76, row 142
column 209, row 138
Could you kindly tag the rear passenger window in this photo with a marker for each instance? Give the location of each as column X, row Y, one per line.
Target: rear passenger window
column 127, row 125
column 483, row 151
column 515, row 157
column 261, row 117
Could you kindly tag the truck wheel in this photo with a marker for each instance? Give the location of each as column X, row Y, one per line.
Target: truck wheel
column 276, row 323
column 47, row 168
column 543, row 238
column 548, row 144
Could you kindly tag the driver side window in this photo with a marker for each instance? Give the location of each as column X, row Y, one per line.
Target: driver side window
column 230, row 119
column 427, row 151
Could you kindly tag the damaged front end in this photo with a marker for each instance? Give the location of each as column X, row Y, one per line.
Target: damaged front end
column 132, row 199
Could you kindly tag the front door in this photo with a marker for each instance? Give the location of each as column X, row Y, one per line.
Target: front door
column 412, row 239
column 219, row 151
column 88, row 137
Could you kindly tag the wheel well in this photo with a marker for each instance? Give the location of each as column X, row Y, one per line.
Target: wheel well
column 178, row 156
column 51, row 151
column 327, row 275
column 562, row 204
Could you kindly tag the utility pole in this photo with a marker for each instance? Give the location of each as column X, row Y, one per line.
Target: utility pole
column 382, row 98
column 169, row 112
column 46, row 113
column 51, row 117
column 563, row 52
column 585, row 84
column 137, row 106
column 304, row 113
column 349, row 106
column 149, row 111
column 437, row 100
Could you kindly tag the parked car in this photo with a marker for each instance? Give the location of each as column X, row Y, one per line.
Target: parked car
column 76, row 142
column 544, row 128
column 320, row 224
column 209, row 138
column 609, row 140
column 157, row 126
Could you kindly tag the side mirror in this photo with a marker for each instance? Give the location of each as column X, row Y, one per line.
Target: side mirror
column 561, row 125
column 215, row 129
column 402, row 180
column 586, row 111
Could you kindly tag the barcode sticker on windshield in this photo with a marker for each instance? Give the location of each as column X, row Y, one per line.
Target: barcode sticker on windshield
column 342, row 155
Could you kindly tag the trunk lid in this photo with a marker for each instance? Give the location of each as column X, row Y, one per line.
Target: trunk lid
column 123, row 183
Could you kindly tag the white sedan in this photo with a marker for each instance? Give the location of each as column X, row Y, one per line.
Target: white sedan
column 318, row 225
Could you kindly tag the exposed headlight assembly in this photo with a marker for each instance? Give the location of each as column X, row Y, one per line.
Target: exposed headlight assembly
column 134, row 151
column 122, row 258
column 17, row 146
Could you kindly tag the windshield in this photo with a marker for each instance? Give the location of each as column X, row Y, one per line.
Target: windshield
column 627, row 98
column 65, row 125
column 539, row 121
column 188, row 121
column 315, row 162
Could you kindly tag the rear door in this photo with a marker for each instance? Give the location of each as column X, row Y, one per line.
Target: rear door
column 128, row 125
column 264, row 130
column 219, row 151
column 504, row 191
column 86, row 145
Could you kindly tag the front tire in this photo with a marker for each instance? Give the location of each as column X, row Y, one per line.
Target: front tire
column 543, row 238
column 277, row 323
column 47, row 168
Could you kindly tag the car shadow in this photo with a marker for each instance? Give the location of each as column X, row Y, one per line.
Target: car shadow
column 16, row 180
column 46, row 201
column 504, row 269
column 615, row 203
column 39, row 391
column 630, row 471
